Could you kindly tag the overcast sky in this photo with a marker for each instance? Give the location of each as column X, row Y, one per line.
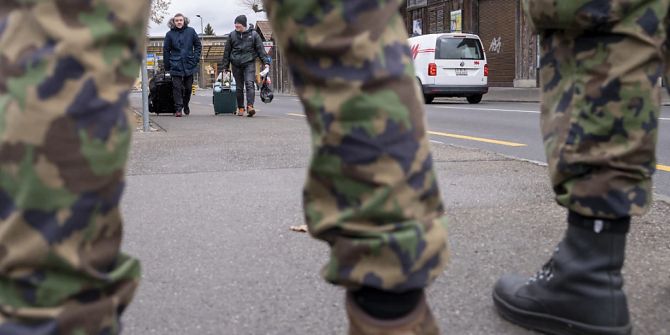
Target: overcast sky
column 220, row 14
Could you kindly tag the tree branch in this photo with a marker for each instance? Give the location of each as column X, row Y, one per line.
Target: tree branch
column 159, row 9
column 255, row 5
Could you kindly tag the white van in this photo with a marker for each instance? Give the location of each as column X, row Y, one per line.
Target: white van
column 450, row 65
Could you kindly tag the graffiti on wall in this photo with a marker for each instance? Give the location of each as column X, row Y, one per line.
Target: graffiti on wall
column 496, row 45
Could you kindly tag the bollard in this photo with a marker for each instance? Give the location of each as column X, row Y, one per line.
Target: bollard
column 145, row 96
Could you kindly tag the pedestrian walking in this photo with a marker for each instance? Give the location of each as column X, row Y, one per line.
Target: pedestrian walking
column 244, row 47
column 181, row 55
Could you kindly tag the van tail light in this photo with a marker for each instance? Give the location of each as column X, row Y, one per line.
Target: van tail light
column 432, row 69
column 486, row 70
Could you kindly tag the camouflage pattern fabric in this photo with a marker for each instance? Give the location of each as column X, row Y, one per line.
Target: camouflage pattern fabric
column 65, row 71
column 600, row 67
column 371, row 192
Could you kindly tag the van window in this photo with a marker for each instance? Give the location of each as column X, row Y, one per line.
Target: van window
column 458, row 48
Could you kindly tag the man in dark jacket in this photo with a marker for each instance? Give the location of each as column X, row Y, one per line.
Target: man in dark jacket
column 243, row 48
column 181, row 53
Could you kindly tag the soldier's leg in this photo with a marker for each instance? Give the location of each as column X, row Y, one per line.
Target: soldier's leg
column 65, row 72
column 371, row 192
column 666, row 55
column 600, row 109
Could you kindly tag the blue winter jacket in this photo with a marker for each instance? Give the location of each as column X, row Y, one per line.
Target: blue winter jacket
column 181, row 51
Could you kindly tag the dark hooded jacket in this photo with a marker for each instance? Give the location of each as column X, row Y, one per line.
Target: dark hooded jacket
column 181, row 50
column 243, row 48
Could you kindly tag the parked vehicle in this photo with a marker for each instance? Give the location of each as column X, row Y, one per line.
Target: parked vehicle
column 450, row 65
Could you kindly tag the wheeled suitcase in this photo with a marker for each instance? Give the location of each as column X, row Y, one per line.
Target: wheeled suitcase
column 161, row 100
column 225, row 96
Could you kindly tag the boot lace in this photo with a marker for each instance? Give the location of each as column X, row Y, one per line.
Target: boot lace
column 547, row 271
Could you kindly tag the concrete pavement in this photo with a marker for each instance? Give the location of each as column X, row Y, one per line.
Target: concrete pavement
column 210, row 201
column 508, row 128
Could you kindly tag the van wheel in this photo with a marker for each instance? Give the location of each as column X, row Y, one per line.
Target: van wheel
column 428, row 98
column 475, row 99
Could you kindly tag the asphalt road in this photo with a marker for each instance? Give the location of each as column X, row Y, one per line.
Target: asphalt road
column 506, row 128
column 210, row 200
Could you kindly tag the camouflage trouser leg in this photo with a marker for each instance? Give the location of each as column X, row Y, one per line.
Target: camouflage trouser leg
column 601, row 102
column 371, row 192
column 65, row 69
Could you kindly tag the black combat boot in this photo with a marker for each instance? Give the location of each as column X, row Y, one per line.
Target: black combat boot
column 579, row 291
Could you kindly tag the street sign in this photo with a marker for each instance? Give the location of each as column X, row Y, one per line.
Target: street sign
column 151, row 61
column 268, row 46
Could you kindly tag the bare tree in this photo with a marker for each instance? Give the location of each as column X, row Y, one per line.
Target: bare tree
column 255, row 5
column 159, row 9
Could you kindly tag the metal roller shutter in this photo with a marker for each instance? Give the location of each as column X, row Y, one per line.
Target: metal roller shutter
column 497, row 24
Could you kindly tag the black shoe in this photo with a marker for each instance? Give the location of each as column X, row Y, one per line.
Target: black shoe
column 187, row 110
column 579, row 291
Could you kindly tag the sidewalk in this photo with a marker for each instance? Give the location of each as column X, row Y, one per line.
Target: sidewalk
column 210, row 201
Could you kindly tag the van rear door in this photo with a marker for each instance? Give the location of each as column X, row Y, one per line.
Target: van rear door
column 460, row 61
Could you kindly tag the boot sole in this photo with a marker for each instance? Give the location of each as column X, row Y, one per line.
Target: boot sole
column 549, row 324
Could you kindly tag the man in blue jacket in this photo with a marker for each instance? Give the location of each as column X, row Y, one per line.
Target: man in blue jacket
column 181, row 53
column 244, row 46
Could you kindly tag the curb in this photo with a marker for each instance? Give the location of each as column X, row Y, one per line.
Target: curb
column 656, row 196
column 153, row 125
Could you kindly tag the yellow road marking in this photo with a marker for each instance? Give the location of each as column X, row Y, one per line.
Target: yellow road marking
column 660, row 167
column 461, row 137
column 478, row 139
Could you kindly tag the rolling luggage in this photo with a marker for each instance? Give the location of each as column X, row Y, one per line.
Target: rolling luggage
column 225, row 96
column 161, row 100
